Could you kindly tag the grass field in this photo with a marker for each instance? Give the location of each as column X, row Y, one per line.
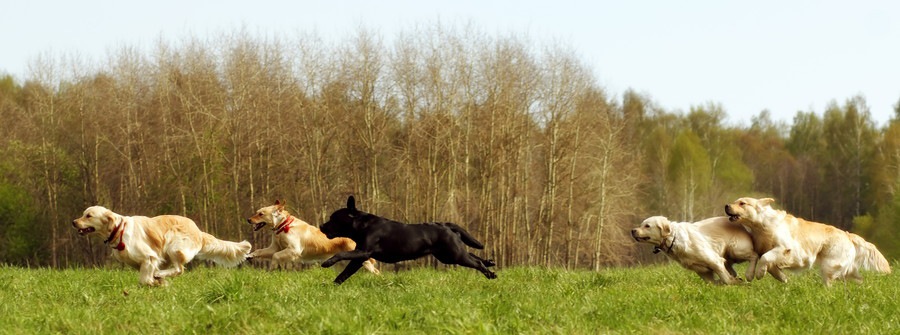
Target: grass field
column 657, row 300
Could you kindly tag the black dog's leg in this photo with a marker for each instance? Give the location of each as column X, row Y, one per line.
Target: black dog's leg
column 465, row 259
column 344, row 255
column 348, row 271
column 486, row 262
column 477, row 265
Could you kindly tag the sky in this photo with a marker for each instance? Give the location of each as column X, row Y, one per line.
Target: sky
column 747, row 56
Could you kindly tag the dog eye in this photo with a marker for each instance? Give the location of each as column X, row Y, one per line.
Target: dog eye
column 87, row 216
column 742, row 203
column 646, row 226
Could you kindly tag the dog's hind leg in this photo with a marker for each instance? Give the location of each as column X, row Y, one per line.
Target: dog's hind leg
column 487, row 262
column 177, row 258
column 468, row 261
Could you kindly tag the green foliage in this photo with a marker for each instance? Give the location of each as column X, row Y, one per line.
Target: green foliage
column 884, row 231
column 689, row 171
column 20, row 236
column 658, row 299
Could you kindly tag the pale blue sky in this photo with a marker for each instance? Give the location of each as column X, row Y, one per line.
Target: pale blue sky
column 783, row 56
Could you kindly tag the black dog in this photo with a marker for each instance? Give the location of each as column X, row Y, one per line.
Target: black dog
column 390, row 241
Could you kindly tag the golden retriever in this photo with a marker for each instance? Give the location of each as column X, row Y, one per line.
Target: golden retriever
column 796, row 244
column 709, row 247
column 159, row 246
column 296, row 241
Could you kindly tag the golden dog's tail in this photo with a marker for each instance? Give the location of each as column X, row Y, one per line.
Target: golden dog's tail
column 224, row 253
column 868, row 257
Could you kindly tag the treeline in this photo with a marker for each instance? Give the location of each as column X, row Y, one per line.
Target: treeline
column 518, row 144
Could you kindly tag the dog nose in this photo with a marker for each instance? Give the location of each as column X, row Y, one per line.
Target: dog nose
column 75, row 223
column 250, row 222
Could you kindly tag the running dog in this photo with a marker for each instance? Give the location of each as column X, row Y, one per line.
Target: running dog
column 797, row 244
column 296, row 241
column 390, row 241
column 159, row 246
column 709, row 247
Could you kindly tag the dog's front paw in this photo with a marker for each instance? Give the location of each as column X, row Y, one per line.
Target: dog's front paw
column 248, row 258
column 490, row 275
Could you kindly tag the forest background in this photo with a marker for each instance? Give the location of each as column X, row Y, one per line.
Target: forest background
column 517, row 143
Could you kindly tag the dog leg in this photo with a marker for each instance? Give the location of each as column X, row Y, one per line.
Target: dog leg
column 724, row 275
column 470, row 262
column 769, row 259
column 348, row 271
column 778, row 274
column 345, row 255
column 486, row 262
column 369, row 264
column 750, row 273
column 264, row 253
column 707, row 276
column 286, row 256
column 729, row 266
column 177, row 259
column 148, row 271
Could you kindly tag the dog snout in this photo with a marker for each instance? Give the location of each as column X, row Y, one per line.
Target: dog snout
column 75, row 223
column 728, row 209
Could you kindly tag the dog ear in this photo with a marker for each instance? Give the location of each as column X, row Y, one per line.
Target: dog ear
column 351, row 203
column 765, row 202
column 110, row 220
column 279, row 204
column 665, row 228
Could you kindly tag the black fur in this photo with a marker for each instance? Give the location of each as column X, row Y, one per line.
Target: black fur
column 390, row 241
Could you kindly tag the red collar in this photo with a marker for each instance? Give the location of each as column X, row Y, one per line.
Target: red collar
column 285, row 226
column 118, row 229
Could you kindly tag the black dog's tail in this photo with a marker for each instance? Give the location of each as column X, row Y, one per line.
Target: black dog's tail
column 463, row 234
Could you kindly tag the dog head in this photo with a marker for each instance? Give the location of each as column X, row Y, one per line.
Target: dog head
column 344, row 222
column 95, row 218
column 750, row 209
column 268, row 215
column 653, row 230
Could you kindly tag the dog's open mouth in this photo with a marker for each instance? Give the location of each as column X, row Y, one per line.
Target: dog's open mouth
column 640, row 238
column 87, row 230
column 733, row 217
column 259, row 225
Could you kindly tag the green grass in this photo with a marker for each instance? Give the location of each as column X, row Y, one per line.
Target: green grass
column 657, row 300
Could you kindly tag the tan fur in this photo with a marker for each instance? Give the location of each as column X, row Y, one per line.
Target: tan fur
column 789, row 242
column 159, row 246
column 709, row 247
column 302, row 243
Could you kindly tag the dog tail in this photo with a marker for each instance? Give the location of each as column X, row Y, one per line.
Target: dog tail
column 868, row 257
column 464, row 235
column 225, row 253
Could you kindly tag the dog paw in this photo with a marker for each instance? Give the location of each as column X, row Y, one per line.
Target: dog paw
column 490, row 275
column 489, row 263
column 329, row 263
